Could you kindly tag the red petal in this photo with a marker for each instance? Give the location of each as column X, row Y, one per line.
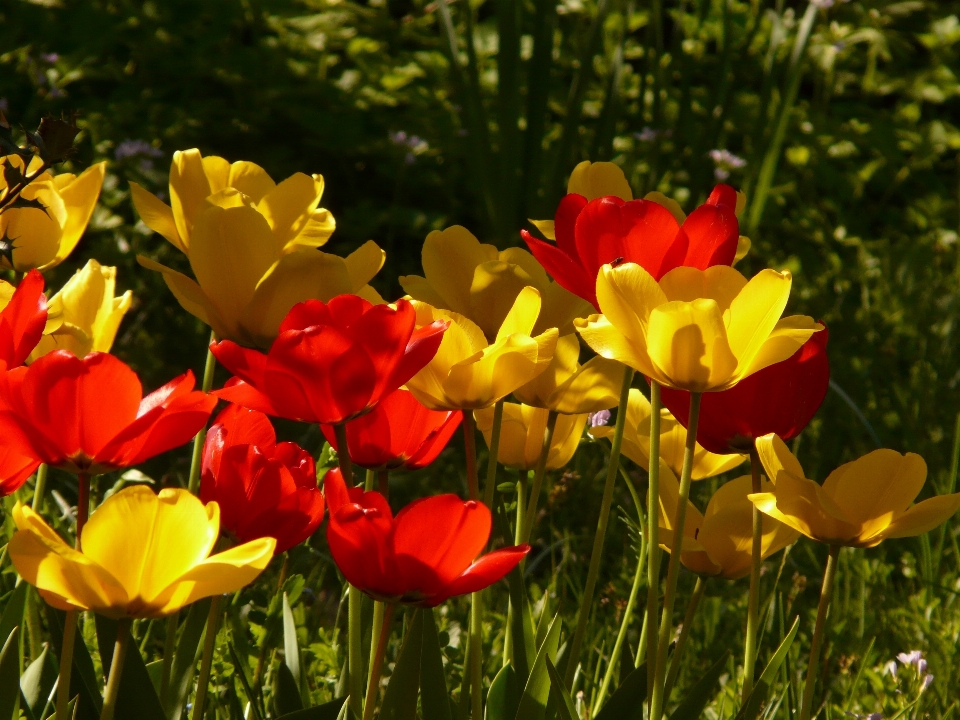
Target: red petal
column 22, row 320
column 598, row 225
column 236, row 425
column 385, row 335
column 360, row 540
column 713, row 233
column 563, row 268
column 249, row 365
column 419, row 351
column 18, row 458
column 177, row 387
column 484, row 572
column 564, row 224
column 434, row 444
column 299, row 462
column 306, row 314
column 345, row 310
column 723, row 195
column 335, row 490
column 237, row 391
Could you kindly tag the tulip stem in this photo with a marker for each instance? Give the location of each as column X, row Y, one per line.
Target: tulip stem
column 343, row 454
column 573, row 657
column 476, row 655
column 169, row 645
column 538, row 475
column 201, row 437
column 369, row 479
column 83, row 505
column 209, row 643
column 470, row 446
column 673, row 568
column 375, row 632
column 354, row 651
column 376, row 662
column 753, row 603
column 692, row 607
column 472, row 677
column 816, row 644
column 491, row 482
column 66, row 664
column 40, row 488
column 116, row 669
column 653, row 538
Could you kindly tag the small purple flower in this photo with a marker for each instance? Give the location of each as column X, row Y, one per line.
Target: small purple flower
column 133, row 148
column 398, row 138
column 921, row 667
column 927, row 681
column 911, row 658
column 890, row 669
column 874, row 716
column 648, row 134
column 601, row 417
column 50, row 58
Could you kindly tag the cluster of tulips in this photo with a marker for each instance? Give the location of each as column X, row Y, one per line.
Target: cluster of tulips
column 647, row 289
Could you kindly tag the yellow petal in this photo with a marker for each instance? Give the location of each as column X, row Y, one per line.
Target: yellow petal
column 720, row 282
column 522, row 434
column 802, row 504
column 419, row 289
column 673, row 442
column 315, row 232
column 599, row 179
column 538, row 392
column 494, row 292
column 217, row 171
column 156, row 215
column 670, row 501
column 522, row 315
column 608, row 342
column 559, row 309
column 364, row 263
column 545, row 227
column 594, row 387
column 34, row 235
column 450, row 258
column 921, row 518
column 687, row 343
column 529, row 265
column 461, row 341
column 627, row 296
column 743, row 247
column 669, row 203
column 250, row 179
column 189, row 188
column 190, row 296
column 289, row 206
column 80, row 198
column 788, row 336
column 755, row 312
column 776, row 457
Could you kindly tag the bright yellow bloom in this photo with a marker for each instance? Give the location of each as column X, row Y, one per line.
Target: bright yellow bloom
column 479, row 282
column 673, row 440
column 88, row 311
column 143, row 556
column 522, row 431
column 570, row 388
column 599, row 179
column 720, row 541
column 251, row 245
column 468, row 372
column 43, row 239
column 695, row 330
column 860, row 504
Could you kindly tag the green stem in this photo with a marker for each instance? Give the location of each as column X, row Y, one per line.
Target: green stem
column 476, row 655
column 169, row 646
column 66, row 664
column 40, row 487
column 692, row 607
column 642, row 643
column 597, row 553
column 378, row 623
column 470, row 446
column 491, row 482
column 209, row 643
column 538, row 475
column 826, row 593
column 369, row 479
column 116, row 669
column 673, row 569
column 472, row 673
column 201, row 436
column 376, row 659
column 653, row 532
column 753, row 602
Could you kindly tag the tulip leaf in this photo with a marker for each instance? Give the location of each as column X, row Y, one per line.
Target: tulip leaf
column 752, row 707
column 522, row 626
column 400, row 700
column 10, row 673
column 286, row 694
column 37, row 681
column 503, row 698
column 136, row 697
column 567, row 710
column 185, row 659
column 434, row 701
column 699, row 695
column 627, row 702
column 328, row 711
column 71, row 708
column 13, row 609
column 241, row 675
column 291, row 648
column 83, row 679
column 536, row 693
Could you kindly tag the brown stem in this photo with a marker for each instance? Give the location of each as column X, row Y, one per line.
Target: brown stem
column 343, row 454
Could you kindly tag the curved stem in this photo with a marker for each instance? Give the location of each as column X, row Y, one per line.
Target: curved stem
column 491, row 482
column 753, row 603
column 653, row 532
column 470, row 446
column 116, row 669
column 209, row 643
column 538, row 474
column 376, row 662
column 826, row 594
column 692, row 607
column 66, row 664
column 40, row 487
column 573, row 657
column 201, row 436
column 673, row 569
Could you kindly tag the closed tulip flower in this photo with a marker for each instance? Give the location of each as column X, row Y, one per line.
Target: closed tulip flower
column 399, row 433
column 144, row 556
column 860, row 504
column 522, row 433
column 43, row 238
column 695, row 330
column 423, row 556
column 23, row 319
column 332, row 361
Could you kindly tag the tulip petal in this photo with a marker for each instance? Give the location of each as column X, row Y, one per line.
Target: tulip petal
column 789, row 335
column 546, row 228
column 777, row 458
column 627, row 295
column 189, row 294
column 189, row 188
column 23, row 320
column 922, row 517
column 720, row 283
column 363, row 264
column 34, row 236
column 156, row 215
column 287, row 206
column 486, row 571
column 250, row 179
column 599, row 179
column 80, row 196
column 687, row 343
column 565, row 226
column 522, row 315
column 420, row 289
column 711, row 233
column 564, row 268
column 755, row 312
column 449, row 260
column 496, row 287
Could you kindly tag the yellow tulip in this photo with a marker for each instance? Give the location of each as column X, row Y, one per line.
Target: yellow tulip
column 88, row 311
column 43, row 239
column 695, row 330
column 143, row 556
column 479, row 282
column 592, row 180
column 468, row 372
column 673, row 440
column 720, row 541
column 570, row 388
column 860, row 504
column 251, row 245
column 522, row 431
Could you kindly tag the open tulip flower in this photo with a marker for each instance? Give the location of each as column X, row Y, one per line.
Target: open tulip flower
column 522, row 433
column 860, row 504
column 469, row 373
column 89, row 312
column 673, row 440
column 570, row 388
column 252, row 245
column 399, row 433
column 423, row 556
column 43, row 238
column 23, row 319
column 780, row 399
column 89, row 415
column 263, row 488
column 481, row 283
column 719, row 542
column 331, row 361
column 695, row 330
column 144, row 556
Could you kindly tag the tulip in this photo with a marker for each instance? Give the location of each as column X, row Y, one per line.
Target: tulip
column 695, row 330
column 779, row 399
column 399, row 433
column 144, row 556
column 332, row 361
column 522, row 432
column 263, row 489
column 43, row 237
column 251, row 245
column 88, row 416
column 89, row 312
column 860, row 504
column 673, row 440
column 480, row 283
column 23, row 319
column 469, row 373
column 423, row 556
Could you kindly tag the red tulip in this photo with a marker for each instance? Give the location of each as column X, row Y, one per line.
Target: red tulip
column 592, row 234
column 779, row 399
column 89, row 415
column 331, row 361
column 22, row 321
column 264, row 489
column 398, row 433
column 422, row 556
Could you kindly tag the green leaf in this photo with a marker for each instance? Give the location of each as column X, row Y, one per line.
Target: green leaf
column 699, row 695
column 327, row 711
column 503, row 698
column 83, row 679
column 434, row 701
column 400, row 700
column 71, row 707
column 241, row 675
column 533, row 702
column 286, row 694
column 291, row 648
column 627, row 702
column 752, row 707
column 522, row 627
column 13, row 610
column 38, row 680
column 10, row 673
column 185, row 660
column 136, row 696
column 567, row 710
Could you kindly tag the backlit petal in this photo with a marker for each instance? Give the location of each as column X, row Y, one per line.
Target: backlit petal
column 687, row 342
column 156, row 215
